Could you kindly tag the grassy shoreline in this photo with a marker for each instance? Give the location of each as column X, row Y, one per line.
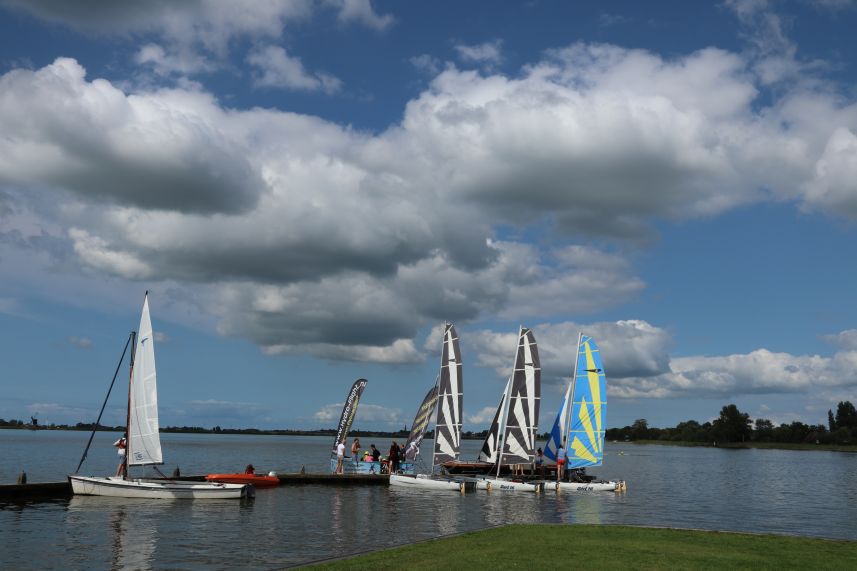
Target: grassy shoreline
column 749, row 445
column 610, row 547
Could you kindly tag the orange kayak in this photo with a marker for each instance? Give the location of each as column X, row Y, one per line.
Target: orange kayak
column 258, row 480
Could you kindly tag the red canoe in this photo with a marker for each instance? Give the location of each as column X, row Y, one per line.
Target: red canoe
column 258, row 480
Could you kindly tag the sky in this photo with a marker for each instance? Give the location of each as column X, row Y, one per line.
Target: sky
column 310, row 189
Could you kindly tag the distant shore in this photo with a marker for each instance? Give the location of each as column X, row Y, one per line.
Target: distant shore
column 401, row 434
column 749, row 445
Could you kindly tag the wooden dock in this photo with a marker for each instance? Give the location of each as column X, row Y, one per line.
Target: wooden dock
column 59, row 490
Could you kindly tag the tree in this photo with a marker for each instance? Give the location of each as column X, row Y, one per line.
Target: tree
column 764, row 431
column 831, row 422
column 640, row 429
column 846, row 415
column 733, row 425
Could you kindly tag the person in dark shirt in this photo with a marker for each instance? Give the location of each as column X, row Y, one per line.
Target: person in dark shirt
column 393, row 457
column 375, row 454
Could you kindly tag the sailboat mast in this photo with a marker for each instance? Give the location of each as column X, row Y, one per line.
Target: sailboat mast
column 505, row 414
column 128, row 414
column 567, row 427
column 437, row 384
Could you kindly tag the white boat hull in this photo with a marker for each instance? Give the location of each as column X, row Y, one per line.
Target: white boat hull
column 587, row 486
column 425, row 482
column 501, row 485
column 119, row 488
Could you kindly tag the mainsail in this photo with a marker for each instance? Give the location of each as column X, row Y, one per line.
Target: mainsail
column 522, row 419
column 349, row 410
column 447, row 437
column 420, row 425
column 144, row 441
column 488, row 453
column 588, row 408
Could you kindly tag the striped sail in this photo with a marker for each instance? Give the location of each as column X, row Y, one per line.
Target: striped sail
column 522, row 418
column 557, row 435
column 420, row 425
column 144, row 441
column 488, row 453
column 588, row 408
column 450, row 400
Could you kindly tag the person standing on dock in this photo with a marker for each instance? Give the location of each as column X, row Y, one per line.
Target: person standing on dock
column 340, row 454
column 355, row 451
column 393, row 457
column 120, row 445
column 560, row 461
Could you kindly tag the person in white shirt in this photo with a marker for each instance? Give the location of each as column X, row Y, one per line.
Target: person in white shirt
column 340, row 454
column 120, row 445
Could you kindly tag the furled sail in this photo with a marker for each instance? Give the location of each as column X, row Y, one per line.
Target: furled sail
column 421, row 423
column 522, row 418
column 447, row 438
column 488, row 453
column 349, row 410
column 588, row 408
column 144, row 440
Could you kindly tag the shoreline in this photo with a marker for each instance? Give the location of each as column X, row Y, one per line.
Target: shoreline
column 748, row 445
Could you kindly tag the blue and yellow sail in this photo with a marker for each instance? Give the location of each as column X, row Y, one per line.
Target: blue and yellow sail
column 588, row 408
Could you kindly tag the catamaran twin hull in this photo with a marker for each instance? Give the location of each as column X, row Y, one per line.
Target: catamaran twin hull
column 588, row 486
column 423, row 481
column 119, row 488
column 501, row 485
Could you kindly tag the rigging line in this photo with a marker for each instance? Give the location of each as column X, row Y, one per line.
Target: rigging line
column 95, row 427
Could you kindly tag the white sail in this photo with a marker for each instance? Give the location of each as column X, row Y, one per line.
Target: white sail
column 144, row 441
column 450, row 399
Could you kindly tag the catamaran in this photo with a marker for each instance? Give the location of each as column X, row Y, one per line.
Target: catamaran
column 447, row 433
column 143, row 442
column 511, row 440
column 581, row 422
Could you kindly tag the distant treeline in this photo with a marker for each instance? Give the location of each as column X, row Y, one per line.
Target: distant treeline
column 735, row 426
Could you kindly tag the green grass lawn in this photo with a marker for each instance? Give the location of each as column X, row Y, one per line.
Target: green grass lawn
column 599, row 547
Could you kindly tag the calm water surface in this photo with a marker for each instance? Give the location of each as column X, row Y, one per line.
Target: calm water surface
column 771, row 491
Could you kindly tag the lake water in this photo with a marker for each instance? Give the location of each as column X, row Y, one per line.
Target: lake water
column 770, row 491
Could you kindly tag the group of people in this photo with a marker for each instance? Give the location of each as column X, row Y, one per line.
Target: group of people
column 390, row 464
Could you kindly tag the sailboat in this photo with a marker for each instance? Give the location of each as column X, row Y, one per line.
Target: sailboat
column 512, row 437
column 447, row 433
column 143, row 442
column 581, row 421
column 349, row 410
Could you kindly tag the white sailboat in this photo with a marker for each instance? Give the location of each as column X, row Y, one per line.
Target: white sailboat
column 143, row 437
column 516, row 422
column 447, row 432
column 581, row 422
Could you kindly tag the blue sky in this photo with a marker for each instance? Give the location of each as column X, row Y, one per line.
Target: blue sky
column 308, row 189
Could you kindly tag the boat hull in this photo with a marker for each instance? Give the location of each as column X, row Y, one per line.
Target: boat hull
column 119, row 488
column 257, row 480
column 587, row 486
column 501, row 485
column 427, row 483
